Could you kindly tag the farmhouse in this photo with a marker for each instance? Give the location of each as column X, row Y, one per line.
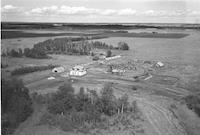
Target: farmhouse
column 78, row 71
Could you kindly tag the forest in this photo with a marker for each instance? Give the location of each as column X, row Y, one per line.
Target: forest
column 16, row 105
column 69, row 46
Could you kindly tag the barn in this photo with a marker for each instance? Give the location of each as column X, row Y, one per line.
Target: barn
column 58, row 70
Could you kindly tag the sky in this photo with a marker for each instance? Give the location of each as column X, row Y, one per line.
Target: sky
column 101, row 11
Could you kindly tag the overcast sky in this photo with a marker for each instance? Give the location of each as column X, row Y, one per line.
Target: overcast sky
column 111, row 11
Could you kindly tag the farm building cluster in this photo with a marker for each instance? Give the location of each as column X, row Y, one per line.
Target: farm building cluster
column 75, row 71
column 115, row 65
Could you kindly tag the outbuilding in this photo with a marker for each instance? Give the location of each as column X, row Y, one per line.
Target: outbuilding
column 159, row 64
column 58, row 70
column 118, row 72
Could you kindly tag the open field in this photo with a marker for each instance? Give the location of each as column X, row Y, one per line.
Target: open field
column 181, row 50
column 159, row 91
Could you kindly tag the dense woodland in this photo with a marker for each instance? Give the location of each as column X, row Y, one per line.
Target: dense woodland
column 30, row 69
column 86, row 109
column 70, row 46
column 15, row 103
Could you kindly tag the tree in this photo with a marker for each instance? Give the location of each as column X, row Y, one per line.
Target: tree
column 107, row 100
column 108, row 53
column 92, row 53
column 14, row 53
column 123, row 103
column 63, row 100
column 123, row 46
column 27, row 52
column 110, row 68
column 81, row 100
column 20, row 52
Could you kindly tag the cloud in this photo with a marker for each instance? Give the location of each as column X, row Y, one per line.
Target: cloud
column 67, row 10
column 63, row 10
column 11, row 9
column 150, row 13
column 80, row 11
column 44, row 10
column 76, row 10
column 194, row 13
column 127, row 11
column 107, row 12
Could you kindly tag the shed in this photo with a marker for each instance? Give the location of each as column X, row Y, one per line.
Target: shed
column 118, row 71
column 159, row 64
column 58, row 70
column 114, row 57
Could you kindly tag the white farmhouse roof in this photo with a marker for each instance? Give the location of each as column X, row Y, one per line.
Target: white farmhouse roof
column 78, row 68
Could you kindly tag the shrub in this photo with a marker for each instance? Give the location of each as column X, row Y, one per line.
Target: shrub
column 4, row 65
column 49, row 119
column 95, row 58
column 30, row 69
column 108, row 53
column 134, row 88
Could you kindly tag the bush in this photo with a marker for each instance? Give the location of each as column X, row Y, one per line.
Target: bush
column 123, row 46
column 108, row 53
column 134, row 88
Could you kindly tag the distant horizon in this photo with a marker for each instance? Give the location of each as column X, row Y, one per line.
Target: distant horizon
column 96, row 22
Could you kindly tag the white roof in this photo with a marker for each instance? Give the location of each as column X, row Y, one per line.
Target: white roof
column 59, row 68
column 51, row 78
column 78, row 67
column 160, row 63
